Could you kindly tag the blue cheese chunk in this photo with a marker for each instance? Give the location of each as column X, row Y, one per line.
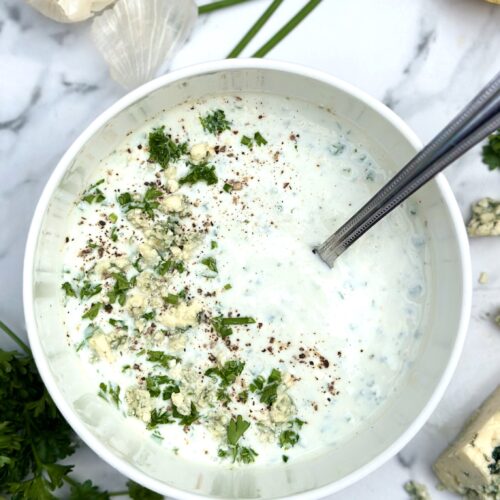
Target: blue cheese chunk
column 139, row 403
column 470, row 466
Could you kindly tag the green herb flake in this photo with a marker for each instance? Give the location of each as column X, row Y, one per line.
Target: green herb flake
column 93, row 311
column 228, row 286
column 163, row 150
column 113, row 218
column 201, row 172
column 223, row 325
column 159, row 417
column 148, row 204
column 284, row 458
column 114, row 234
column 213, row 245
column 172, row 299
column 228, row 372
column 89, row 290
column 491, row 151
column 186, row 420
column 259, row 140
column 121, row 286
column 246, row 141
column 215, row 122
column 227, row 187
column 110, row 392
column 211, row 263
column 161, row 358
column 243, row 397
column 93, row 194
column 267, row 389
column 166, row 266
column 68, row 289
column 162, row 385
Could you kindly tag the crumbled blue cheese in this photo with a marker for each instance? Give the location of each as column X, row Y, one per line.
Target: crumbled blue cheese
column 199, row 152
column 181, row 316
column 139, row 403
column 100, row 345
column 468, row 466
column 485, row 219
column 283, row 408
column 416, row 491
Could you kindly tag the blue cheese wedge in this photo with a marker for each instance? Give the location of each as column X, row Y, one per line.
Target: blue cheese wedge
column 471, row 465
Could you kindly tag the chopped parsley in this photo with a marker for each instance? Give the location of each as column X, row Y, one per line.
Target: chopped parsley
column 161, row 358
column 118, row 323
column 110, row 391
column 215, row 122
column 88, row 290
column 93, row 311
column 159, row 417
column 284, row 458
column 213, row 244
column 120, row 288
column 223, row 325
column 114, row 234
column 228, row 372
column 113, row 218
column 227, row 187
column 186, row 419
column 147, row 205
column 228, row 286
column 211, row 263
column 148, row 316
column 246, row 141
column 174, row 299
column 267, row 389
column 166, row 266
column 93, row 194
column 162, row 385
column 243, row 396
column 68, row 289
column 163, row 150
column 290, row 437
column 491, row 151
column 201, row 172
column 259, row 140
column 235, row 430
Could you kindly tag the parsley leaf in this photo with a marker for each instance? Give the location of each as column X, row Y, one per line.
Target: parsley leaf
column 166, row 266
column 186, row 419
column 228, row 372
column 110, row 392
column 211, row 263
column 138, row 492
column 162, row 149
column 268, row 390
column 148, row 204
column 68, row 289
column 93, row 194
column 215, row 122
column 121, row 286
column 161, row 358
column 159, row 417
column 87, row 490
column 246, row 141
column 93, row 311
column 201, row 172
column 154, row 385
column 491, row 151
column 223, row 325
column 236, row 428
column 88, row 290
column 259, row 140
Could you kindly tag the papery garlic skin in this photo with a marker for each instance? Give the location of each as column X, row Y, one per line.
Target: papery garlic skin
column 69, row 11
column 137, row 37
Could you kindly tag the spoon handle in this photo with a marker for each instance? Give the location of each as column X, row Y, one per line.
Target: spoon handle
column 476, row 121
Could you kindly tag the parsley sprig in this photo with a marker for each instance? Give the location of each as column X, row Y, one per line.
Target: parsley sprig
column 162, row 149
column 238, row 453
column 267, row 389
column 93, row 194
column 223, row 325
column 491, row 151
column 34, row 437
column 200, row 172
column 215, row 122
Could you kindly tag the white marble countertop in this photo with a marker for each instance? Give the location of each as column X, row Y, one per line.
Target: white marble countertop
column 422, row 58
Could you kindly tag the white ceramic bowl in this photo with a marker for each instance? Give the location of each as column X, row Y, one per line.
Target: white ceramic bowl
column 113, row 437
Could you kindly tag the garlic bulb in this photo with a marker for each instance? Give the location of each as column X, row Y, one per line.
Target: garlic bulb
column 137, row 37
column 69, row 11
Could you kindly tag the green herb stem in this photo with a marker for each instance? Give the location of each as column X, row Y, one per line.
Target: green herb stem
column 287, row 28
column 220, row 4
column 250, row 34
column 15, row 338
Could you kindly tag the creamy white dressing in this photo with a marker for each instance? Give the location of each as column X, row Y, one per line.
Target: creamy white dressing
column 341, row 338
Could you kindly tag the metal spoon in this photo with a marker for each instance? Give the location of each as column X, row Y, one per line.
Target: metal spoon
column 476, row 121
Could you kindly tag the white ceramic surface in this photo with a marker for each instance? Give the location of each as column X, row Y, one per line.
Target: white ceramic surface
column 111, row 436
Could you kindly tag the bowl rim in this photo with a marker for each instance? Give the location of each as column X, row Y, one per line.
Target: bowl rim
column 445, row 191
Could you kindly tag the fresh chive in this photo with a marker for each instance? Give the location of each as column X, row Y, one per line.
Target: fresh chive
column 246, row 141
column 259, row 140
column 287, row 28
column 227, row 187
column 250, row 34
column 219, row 4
